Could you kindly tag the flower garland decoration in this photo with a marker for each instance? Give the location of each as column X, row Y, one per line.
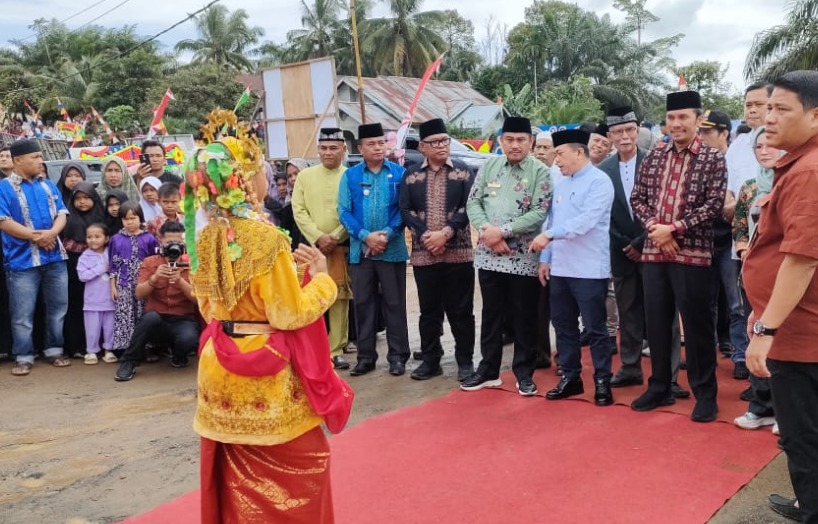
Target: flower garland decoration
column 218, row 178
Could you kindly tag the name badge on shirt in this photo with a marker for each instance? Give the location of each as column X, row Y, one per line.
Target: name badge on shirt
column 366, row 188
column 494, row 185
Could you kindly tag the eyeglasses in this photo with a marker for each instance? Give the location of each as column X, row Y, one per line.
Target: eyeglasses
column 621, row 131
column 440, row 142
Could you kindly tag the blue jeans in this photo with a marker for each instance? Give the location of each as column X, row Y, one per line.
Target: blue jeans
column 727, row 271
column 24, row 288
column 570, row 298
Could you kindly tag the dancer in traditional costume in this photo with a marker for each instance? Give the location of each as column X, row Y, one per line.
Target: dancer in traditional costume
column 266, row 382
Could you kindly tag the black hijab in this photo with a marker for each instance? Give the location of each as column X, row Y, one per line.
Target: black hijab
column 114, row 223
column 66, row 193
column 78, row 221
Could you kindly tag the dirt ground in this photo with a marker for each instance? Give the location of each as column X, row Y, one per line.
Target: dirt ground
column 77, row 447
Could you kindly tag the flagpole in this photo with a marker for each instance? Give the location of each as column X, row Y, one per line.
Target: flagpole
column 357, row 60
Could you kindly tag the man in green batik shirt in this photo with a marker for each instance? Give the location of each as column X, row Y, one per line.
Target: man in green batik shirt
column 507, row 205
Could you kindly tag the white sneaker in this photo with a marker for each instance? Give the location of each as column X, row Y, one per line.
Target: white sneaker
column 109, row 357
column 753, row 421
column 775, row 429
column 91, row 359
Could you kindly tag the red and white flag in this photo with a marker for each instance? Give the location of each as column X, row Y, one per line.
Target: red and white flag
column 682, row 82
column 158, row 114
column 433, row 68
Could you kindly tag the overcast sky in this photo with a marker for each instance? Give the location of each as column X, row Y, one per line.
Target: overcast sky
column 715, row 29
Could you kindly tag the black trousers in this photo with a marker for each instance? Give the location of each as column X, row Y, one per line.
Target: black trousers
column 630, row 301
column 367, row 277
column 544, row 325
column 668, row 287
column 74, row 327
column 446, row 288
column 518, row 297
column 795, row 396
column 180, row 333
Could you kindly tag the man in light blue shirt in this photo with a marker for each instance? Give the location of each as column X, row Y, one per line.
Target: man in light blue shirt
column 576, row 259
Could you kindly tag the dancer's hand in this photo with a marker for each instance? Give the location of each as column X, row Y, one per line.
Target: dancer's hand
column 311, row 256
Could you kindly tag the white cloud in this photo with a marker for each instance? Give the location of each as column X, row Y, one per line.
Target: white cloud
column 714, row 29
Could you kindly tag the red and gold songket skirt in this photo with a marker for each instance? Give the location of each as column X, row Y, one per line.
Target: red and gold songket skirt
column 283, row 484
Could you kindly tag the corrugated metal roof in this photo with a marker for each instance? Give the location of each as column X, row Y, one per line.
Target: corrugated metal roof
column 393, row 95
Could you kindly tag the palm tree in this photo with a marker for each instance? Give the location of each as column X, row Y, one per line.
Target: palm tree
column 224, row 39
column 787, row 47
column 320, row 24
column 406, row 44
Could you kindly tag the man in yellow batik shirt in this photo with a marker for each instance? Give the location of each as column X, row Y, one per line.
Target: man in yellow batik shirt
column 315, row 209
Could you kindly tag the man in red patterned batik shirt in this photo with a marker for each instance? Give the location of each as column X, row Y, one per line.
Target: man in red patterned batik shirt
column 679, row 191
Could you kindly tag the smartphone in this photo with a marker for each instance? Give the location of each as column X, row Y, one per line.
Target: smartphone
column 144, row 160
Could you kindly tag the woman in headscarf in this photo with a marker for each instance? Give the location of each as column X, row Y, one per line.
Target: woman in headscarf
column 747, row 210
column 84, row 208
column 760, row 408
column 72, row 174
column 149, row 197
column 286, row 218
column 113, row 201
column 265, row 381
column 115, row 176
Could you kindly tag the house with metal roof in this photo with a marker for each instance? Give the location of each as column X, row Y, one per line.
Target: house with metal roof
column 386, row 99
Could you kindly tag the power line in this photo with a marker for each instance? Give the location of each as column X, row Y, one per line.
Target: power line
column 133, row 48
column 86, row 24
column 64, row 20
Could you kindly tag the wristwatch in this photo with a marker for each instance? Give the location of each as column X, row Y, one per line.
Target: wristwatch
column 759, row 329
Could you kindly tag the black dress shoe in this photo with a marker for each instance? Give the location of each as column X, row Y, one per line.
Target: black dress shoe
column 526, row 387
column 362, row 368
column 622, row 380
column 704, row 412
column 602, row 393
column 566, row 388
column 785, row 507
column 397, row 369
column 678, row 391
column 417, row 355
column 464, row 371
column 651, row 400
column 747, row 395
column 340, row 362
column 426, row 371
column 558, row 371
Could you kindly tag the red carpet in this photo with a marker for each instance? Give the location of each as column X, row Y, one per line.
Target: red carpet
column 493, row 457
column 730, row 405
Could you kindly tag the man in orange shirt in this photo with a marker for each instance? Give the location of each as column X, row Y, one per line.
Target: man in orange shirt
column 781, row 282
column 170, row 307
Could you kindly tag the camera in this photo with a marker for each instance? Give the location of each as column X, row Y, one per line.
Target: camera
column 172, row 251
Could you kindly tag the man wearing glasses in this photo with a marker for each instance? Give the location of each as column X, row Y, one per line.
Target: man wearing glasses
column 433, row 205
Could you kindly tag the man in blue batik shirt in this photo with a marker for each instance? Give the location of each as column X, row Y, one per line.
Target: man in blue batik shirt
column 32, row 215
column 369, row 209
column 576, row 259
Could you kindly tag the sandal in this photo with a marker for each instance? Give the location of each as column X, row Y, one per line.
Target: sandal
column 21, row 369
column 59, row 362
column 109, row 357
column 91, row 359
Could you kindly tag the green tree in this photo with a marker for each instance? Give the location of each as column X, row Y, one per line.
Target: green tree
column 637, row 16
column 519, row 103
column 567, row 102
column 489, row 80
column 462, row 59
column 224, row 39
column 126, row 81
column 121, row 118
column 790, row 46
column 198, row 89
column 320, row 24
column 406, row 43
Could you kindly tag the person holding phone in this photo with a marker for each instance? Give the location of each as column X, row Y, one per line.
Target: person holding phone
column 170, row 307
column 152, row 162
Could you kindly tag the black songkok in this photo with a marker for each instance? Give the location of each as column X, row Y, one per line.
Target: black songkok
column 432, row 127
column 370, row 131
column 24, row 147
column 683, row 100
column 330, row 134
column 517, row 124
column 571, row 136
